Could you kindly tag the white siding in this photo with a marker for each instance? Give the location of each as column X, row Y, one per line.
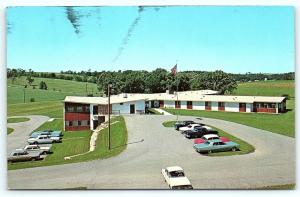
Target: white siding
column 199, row 105
column 214, row 106
column 233, row 107
column 169, row 104
column 91, row 117
column 125, row 107
column 183, row 104
column 249, row 107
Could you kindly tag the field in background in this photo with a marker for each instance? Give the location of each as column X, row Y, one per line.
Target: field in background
column 57, row 90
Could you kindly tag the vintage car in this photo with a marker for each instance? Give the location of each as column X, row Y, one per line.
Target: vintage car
column 207, row 137
column 199, row 132
column 216, row 146
column 47, row 132
column 184, row 123
column 175, row 178
column 43, row 139
column 41, row 149
column 22, row 155
column 189, row 127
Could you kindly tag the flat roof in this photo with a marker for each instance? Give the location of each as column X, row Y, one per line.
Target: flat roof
column 199, row 95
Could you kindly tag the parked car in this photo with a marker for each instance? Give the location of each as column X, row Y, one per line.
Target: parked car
column 207, row 137
column 41, row 149
column 22, row 155
column 216, row 146
column 175, row 178
column 47, row 132
column 199, row 132
column 184, row 123
column 189, row 127
column 43, row 139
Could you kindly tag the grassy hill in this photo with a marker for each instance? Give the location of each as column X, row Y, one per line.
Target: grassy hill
column 47, row 102
column 266, row 88
column 57, row 90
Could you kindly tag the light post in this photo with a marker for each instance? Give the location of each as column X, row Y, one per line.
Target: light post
column 108, row 93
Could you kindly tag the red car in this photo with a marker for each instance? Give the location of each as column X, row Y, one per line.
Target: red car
column 210, row 137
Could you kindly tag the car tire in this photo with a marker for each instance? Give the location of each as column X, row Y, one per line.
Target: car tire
column 209, row 152
column 32, row 159
column 233, row 149
column 35, row 142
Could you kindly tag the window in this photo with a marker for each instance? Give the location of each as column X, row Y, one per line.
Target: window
column 67, row 123
column 75, row 123
column 79, row 109
column 121, row 103
column 207, row 104
column 70, row 109
column 79, row 123
column 221, row 104
column 88, row 122
column 84, row 123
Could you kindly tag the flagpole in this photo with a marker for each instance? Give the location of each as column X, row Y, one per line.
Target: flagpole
column 177, row 87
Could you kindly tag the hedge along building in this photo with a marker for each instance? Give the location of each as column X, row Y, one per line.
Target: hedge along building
column 83, row 113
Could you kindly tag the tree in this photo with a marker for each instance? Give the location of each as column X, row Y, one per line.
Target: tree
column 43, row 85
column 218, row 80
column 156, row 81
column 29, row 78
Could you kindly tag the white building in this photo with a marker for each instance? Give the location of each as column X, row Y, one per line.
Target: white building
column 87, row 112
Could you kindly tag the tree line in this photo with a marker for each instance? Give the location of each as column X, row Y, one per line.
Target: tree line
column 156, row 81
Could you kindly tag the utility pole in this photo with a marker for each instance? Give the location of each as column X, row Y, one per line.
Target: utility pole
column 24, row 94
column 108, row 93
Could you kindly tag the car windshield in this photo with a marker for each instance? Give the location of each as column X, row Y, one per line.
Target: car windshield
column 207, row 142
column 177, row 174
column 183, row 187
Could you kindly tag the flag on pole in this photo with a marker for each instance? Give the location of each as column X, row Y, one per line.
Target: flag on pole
column 174, row 70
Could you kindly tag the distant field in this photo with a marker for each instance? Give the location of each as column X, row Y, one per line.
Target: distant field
column 57, row 84
column 266, row 88
column 57, row 90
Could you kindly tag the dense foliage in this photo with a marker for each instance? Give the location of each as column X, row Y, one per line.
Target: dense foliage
column 158, row 80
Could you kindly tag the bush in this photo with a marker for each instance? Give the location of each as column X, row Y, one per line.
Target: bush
column 32, row 100
column 286, row 96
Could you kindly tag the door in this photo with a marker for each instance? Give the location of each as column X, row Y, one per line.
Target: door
column 132, row 109
column 189, row 104
column 207, row 105
column 161, row 104
column 242, row 107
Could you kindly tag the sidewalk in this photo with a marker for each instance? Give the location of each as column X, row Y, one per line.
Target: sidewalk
column 163, row 112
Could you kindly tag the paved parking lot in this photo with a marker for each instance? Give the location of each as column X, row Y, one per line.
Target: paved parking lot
column 18, row 138
column 152, row 147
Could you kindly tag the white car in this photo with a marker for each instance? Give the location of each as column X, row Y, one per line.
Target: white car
column 175, row 178
column 189, row 127
column 43, row 139
column 41, row 149
column 207, row 127
column 210, row 137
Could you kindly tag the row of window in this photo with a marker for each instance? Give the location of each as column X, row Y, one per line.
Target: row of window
column 77, row 109
column 77, row 123
column 265, row 105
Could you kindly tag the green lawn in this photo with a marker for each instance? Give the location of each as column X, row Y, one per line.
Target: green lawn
column 245, row 148
column 9, row 131
column 77, row 142
column 57, row 90
column 153, row 111
column 15, row 120
column 53, row 109
column 266, row 88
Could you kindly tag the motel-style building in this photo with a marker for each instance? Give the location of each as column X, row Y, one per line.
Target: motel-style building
column 84, row 113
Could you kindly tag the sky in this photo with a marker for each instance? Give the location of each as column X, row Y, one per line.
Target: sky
column 233, row 39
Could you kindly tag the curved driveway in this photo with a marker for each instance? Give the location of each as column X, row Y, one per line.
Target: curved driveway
column 138, row 167
column 18, row 137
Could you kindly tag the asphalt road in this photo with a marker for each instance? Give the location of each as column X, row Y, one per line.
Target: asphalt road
column 152, row 147
column 18, row 138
